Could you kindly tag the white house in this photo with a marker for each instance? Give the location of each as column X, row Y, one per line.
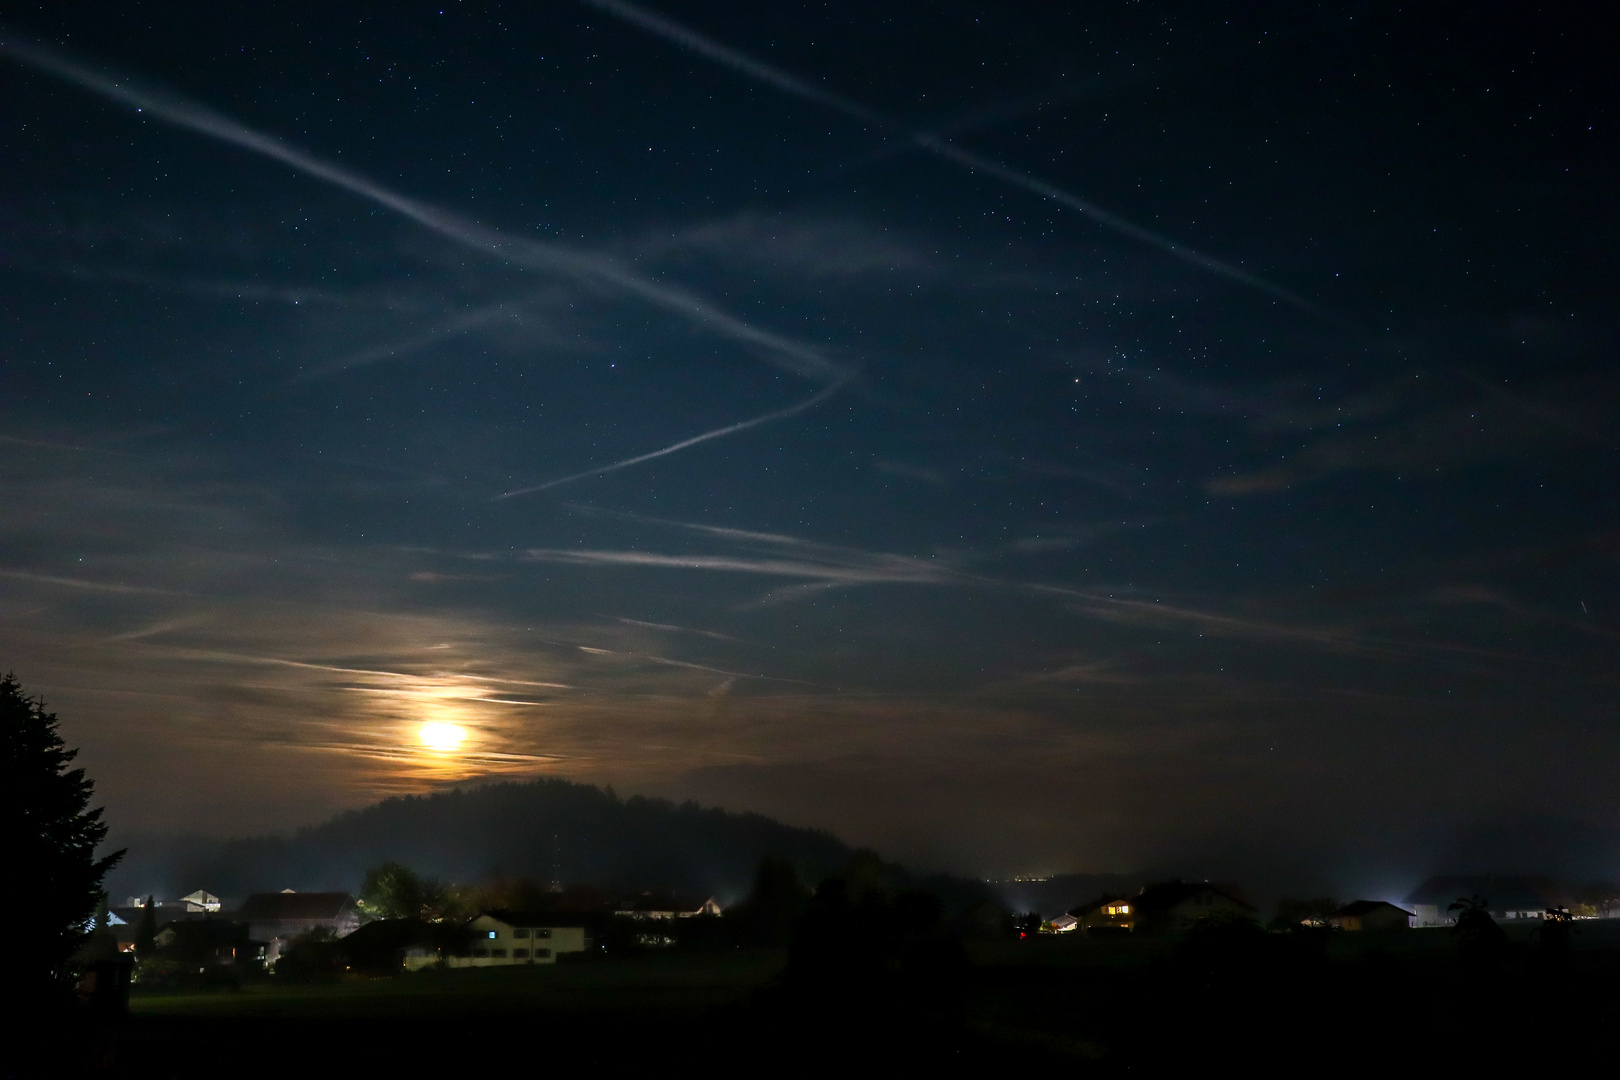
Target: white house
column 502, row 938
column 1508, row 898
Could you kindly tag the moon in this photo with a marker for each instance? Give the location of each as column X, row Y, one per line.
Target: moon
column 442, row 737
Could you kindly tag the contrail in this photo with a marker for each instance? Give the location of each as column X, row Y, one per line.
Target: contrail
column 754, row 69
column 467, row 320
column 800, row 359
column 743, row 425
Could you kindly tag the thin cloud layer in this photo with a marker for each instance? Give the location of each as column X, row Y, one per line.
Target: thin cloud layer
column 933, row 505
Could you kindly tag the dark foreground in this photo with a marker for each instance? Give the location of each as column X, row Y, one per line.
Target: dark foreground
column 1349, row 1005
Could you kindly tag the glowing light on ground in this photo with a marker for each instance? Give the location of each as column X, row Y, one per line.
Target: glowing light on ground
column 442, row 737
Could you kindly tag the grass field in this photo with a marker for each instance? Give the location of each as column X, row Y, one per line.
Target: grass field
column 668, row 982
column 1367, row 1004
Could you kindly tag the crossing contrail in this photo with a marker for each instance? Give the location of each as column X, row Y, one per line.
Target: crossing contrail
column 467, row 320
column 793, row 356
column 692, row 41
column 742, row 425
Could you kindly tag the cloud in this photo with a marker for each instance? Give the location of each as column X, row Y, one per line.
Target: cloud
column 932, row 477
column 932, row 144
column 874, row 570
column 477, row 319
column 695, row 440
column 86, row 583
column 1480, row 428
column 670, row 628
column 1119, row 478
column 783, row 352
column 815, row 249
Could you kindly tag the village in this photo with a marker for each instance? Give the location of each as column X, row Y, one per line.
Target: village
column 201, row 938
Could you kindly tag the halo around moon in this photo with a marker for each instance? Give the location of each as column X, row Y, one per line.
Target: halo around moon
column 442, row 737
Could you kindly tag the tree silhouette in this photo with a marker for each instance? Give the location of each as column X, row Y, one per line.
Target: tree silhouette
column 773, row 906
column 1479, row 939
column 395, row 891
column 146, row 930
column 1314, row 912
column 50, row 840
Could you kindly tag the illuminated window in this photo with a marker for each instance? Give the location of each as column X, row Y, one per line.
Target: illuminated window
column 493, row 933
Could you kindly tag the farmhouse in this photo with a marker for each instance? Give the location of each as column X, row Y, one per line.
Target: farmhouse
column 1174, row 906
column 501, row 938
column 285, row 915
column 1164, row 908
column 1371, row 915
column 1104, row 913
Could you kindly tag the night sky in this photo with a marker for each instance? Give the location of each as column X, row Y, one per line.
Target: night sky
column 1023, row 438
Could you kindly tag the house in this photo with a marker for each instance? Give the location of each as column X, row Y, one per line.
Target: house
column 1371, row 915
column 388, row 946
column 1106, row 913
column 217, row 942
column 1063, row 924
column 1174, row 906
column 274, row 917
column 1508, row 898
column 650, row 905
column 163, row 910
column 123, row 931
column 201, row 900
column 173, row 909
column 1165, row 907
column 502, row 938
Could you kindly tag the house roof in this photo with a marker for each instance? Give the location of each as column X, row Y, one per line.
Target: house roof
column 513, row 917
column 1086, row 909
column 213, row 931
column 271, row 907
column 394, row 934
column 662, row 901
column 132, row 915
column 1504, row 892
column 1167, row 894
column 1358, row 908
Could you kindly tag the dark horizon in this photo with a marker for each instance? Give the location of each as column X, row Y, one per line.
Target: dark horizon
column 1020, row 440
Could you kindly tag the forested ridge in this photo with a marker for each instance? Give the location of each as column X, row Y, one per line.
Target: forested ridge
column 550, row 830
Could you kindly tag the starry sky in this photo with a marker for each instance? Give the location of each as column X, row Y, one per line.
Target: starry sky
column 1022, row 437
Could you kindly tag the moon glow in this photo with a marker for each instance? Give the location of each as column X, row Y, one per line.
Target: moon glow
column 442, row 737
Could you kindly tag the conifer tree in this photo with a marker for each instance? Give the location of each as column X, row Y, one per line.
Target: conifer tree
column 49, row 839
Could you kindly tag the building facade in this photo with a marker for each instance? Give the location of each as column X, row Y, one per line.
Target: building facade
column 508, row 938
column 282, row 916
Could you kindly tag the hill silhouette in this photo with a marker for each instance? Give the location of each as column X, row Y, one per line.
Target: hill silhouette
column 550, row 830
